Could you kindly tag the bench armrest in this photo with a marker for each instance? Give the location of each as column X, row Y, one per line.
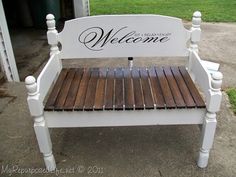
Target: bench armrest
column 211, row 66
column 208, row 78
column 38, row 90
column 48, row 75
column 199, row 72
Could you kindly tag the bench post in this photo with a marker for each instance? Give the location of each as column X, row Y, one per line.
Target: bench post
column 209, row 124
column 40, row 125
column 195, row 31
column 52, row 34
column 194, row 38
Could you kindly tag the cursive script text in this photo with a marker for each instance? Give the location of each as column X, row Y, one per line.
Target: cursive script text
column 95, row 38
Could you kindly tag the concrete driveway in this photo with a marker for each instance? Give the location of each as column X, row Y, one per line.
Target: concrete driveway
column 153, row 151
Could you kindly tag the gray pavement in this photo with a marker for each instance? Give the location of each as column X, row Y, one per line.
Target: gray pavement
column 150, row 151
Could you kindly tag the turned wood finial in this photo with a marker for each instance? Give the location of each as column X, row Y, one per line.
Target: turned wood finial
column 195, row 30
column 196, row 20
column 51, row 23
column 52, row 34
column 31, row 85
column 216, row 81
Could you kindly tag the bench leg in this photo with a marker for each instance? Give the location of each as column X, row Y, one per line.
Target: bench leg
column 44, row 142
column 207, row 138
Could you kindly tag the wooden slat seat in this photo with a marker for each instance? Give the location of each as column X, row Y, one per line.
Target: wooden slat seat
column 94, row 89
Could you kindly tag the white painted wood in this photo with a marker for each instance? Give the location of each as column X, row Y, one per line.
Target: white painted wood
column 4, row 61
column 124, row 118
column 214, row 95
column 123, row 36
column 207, row 138
column 216, row 81
column 1, row 50
column 40, row 127
column 48, row 75
column 209, row 126
column 52, row 34
column 111, row 29
column 7, row 56
column 35, row 105
column 81, row 8
column 213, row 101
column 1, row 61
column 199, row 71
column 42, row 134
column 45, row 144
column 207, row 83
column 87, row 7
column 211, row 66
column 195, row 31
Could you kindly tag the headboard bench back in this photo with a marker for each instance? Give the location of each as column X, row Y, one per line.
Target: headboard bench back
column 122, row 36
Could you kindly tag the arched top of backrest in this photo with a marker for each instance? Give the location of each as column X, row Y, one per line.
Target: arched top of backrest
column 123, row 36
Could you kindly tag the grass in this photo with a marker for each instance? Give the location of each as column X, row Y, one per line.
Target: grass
column 212, row 10
column 232, row 98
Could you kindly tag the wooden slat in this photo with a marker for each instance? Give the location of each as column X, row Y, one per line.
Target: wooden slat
column 70, row 100
column 61, row 98
column 91, row 90
column 183, row 88
column 109, row 90
column 55, row 91
column 138, row 95
column 128, row 87
column 174, row 88
column 147, row 93
column 96, row 89
column 192, row 88
column 156, row 89
column 100, row 91
column 119, row 91
column 169, row 100
column 80, row 97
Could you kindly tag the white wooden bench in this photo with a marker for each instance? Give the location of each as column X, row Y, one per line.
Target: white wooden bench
column 100, row 97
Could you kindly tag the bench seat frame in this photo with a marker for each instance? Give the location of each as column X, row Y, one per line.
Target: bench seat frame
column 124, row 118
column 205, row 74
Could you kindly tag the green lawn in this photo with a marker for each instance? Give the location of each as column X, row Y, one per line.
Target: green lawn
column 232, row 98
column 212, row 10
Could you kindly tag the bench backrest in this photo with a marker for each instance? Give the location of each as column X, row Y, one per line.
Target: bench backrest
column 122, row 36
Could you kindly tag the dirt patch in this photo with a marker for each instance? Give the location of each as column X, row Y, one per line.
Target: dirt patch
column 5, row 99
column 3, row 93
